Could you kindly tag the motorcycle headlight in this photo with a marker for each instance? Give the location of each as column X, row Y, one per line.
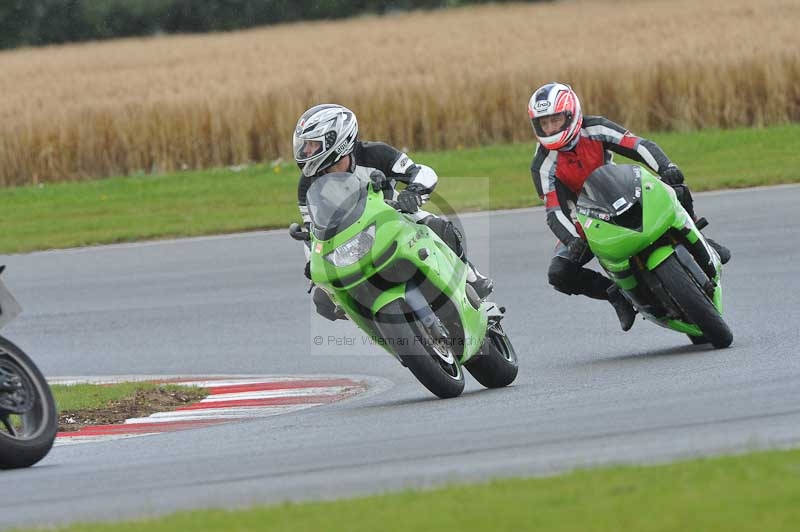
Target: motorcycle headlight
column 351, row 251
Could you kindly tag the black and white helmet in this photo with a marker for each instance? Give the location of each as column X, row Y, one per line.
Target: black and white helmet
column 323, row 135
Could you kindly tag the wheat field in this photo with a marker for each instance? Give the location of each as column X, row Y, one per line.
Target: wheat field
column 420, row 80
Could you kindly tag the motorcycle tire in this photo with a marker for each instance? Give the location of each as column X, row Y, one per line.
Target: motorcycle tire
column 694, row 302
column 420, row 353
column 495, row 365
column 28, row 419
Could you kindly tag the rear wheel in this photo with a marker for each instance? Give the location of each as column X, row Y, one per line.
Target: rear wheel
column 28, row 421
column 694, row 302
column 495, row 365
column 430, row 359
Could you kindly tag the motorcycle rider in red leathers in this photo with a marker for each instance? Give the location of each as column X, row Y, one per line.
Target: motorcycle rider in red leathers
column 570, row 147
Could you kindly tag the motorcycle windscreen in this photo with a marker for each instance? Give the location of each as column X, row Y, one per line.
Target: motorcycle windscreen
column 610, row 191
column 335, row 201
column 9, row 308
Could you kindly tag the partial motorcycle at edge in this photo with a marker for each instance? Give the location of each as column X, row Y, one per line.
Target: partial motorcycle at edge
column 28, row 419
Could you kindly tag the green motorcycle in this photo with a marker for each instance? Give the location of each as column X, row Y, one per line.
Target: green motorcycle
column 654, row 252
column 402, row 285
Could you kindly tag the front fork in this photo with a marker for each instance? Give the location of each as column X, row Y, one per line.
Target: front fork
column 423, row 311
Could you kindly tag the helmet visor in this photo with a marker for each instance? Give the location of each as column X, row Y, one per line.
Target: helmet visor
column 306, row 149
column 549, row 125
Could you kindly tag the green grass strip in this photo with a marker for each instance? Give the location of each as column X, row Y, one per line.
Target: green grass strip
column 225, row 200
column 70, row 397
column 758, row 492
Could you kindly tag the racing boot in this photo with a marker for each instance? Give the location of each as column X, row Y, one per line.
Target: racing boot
column 483, row 285
column 723, row 252
column 625, row 311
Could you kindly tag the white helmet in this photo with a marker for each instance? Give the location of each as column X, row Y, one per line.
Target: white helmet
column 554, row 99
column 323, row 135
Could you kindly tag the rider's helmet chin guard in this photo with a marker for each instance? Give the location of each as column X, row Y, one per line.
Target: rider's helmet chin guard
column 554, row 99
column 323, row 135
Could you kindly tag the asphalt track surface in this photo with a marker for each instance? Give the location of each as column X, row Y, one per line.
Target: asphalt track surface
column 587, row 393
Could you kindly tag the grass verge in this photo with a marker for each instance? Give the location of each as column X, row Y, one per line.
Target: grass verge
column 755, row 492
column 81, row 405
column 126, row 209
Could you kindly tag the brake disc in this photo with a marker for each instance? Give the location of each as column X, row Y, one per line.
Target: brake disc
column 15, row 389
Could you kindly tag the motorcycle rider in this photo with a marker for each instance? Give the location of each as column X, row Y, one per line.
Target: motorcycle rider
column 326, row 140
column 571, row 146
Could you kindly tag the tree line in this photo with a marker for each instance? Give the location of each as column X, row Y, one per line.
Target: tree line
column 41, row 22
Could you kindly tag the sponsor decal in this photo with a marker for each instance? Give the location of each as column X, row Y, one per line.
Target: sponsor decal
column 619, row 203
column 421, row 233
column 318, row 247
column 541, row 105
column 402, row 164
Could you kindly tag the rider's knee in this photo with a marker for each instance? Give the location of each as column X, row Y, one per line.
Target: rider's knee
column 560, row 275
column 448, row 232
column 325, row 307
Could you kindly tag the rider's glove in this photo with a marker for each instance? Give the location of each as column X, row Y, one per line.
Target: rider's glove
column 307, row 270
column 671, row 175
column 378, row 179
column 577, row 251
column 410, row 198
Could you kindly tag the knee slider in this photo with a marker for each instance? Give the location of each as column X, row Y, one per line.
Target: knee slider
column 559, row 276
column 325, row 307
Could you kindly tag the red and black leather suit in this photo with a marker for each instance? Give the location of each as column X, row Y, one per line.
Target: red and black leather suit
column 559, row 177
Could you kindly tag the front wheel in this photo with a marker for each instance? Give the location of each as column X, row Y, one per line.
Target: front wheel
column 694, row 302
column 697, row 340
column 431, row 360
column 495, row 365
column 28, row 422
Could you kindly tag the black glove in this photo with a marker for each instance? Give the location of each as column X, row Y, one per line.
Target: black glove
column 578, row 251
column 410, row 199
column 307, row 271
column 378, row 180
column 671, row 175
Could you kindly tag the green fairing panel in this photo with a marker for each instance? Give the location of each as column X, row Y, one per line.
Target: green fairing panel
column 615, row 243
column 442, row 268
